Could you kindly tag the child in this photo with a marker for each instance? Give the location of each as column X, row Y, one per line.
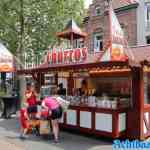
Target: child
column 24, row 122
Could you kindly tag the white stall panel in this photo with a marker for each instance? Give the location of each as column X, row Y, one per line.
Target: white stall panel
column 72, row 117
column 145, row 129
column 85, row 119
column 147, row 118
column 122, row 122
column 62, row 119
column 103, row 122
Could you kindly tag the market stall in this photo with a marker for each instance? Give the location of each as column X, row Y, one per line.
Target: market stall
column 111, row 103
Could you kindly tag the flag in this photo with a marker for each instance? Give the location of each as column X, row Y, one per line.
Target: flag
column 115, row 51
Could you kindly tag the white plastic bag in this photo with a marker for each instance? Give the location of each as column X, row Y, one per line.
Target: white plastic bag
column 63, row 103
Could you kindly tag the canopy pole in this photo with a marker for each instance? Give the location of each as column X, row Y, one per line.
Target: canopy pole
column 71, row 41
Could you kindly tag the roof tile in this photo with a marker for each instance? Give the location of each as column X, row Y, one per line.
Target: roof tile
column 123, row 3
column 139, row 53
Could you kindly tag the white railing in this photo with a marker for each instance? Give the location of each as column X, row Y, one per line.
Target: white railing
column 34, row 60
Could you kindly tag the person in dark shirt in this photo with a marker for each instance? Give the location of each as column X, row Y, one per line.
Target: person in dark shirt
column 61, row 90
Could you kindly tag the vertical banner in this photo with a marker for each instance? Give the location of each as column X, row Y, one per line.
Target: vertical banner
column 115, row 50
column 117, row 38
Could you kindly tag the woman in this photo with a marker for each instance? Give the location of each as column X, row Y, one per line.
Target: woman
column 84, row 87
column 55, row 112
column 31, row 101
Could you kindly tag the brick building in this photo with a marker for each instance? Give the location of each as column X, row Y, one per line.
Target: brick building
column 96, row 24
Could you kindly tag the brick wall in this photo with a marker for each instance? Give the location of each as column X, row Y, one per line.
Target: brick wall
column 100, row 23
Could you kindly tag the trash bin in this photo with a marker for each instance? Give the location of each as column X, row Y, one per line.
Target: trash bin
column 9, row 106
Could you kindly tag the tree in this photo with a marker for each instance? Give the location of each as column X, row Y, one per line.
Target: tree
column 30, row 25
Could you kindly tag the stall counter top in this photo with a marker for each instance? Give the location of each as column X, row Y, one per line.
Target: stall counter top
column 90, row 108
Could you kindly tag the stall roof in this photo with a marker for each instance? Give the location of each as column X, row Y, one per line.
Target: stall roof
column 73, row 67
column 6, row 59
column 71, row 29
column 136, row 55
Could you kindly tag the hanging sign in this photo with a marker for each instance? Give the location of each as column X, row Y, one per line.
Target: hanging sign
column 118, row 39
column 67, row 56
column 115, row 50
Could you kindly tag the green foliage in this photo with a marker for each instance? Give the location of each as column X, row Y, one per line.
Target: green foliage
column 35, row 25
column 2, row 93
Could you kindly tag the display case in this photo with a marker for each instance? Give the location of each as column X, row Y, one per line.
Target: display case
column 102, row 109
column 49, row 79
column 46, row 90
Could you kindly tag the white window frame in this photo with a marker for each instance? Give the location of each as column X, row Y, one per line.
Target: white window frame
column 147, row 22
column 79, row 43
column 96, row 49
column 96, row 8
column 147, row 38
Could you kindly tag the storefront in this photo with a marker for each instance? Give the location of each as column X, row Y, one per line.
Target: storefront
column 105, row 113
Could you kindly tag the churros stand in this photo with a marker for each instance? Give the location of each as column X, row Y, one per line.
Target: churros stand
column 114, row 103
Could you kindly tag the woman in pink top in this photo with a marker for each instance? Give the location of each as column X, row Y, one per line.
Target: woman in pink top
column 55, row 111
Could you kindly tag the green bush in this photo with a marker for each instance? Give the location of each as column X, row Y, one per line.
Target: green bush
column 2, row 93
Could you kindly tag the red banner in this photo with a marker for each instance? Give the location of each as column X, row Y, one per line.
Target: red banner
column 67, row 56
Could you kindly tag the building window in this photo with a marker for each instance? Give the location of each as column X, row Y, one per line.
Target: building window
column 125, row 31
column 97, row 10
column 148, row 39
column 147, row 15
column 98, row 42
column 79, row 43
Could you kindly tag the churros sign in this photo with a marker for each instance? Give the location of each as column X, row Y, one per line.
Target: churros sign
column 67, row 56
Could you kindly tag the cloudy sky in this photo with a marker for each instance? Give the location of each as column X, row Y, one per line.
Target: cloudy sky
column 87, row 3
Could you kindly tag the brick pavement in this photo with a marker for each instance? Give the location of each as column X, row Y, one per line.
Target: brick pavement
column 9, row 146
column 9, row 140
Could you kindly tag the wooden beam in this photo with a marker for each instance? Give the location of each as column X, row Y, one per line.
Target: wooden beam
column 135, row 117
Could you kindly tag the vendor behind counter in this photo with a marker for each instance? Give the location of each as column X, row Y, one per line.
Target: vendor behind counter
column 61, row 90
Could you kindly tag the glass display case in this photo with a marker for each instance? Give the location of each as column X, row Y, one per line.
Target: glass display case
column 99, row 102
column 46, row 90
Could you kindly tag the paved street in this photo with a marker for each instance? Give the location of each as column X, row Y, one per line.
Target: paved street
column 9, row 140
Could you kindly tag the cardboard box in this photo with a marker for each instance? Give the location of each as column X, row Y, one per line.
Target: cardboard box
column 45, row 127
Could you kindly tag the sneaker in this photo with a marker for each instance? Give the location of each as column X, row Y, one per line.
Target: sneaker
column 57, row 141
column 22, row 137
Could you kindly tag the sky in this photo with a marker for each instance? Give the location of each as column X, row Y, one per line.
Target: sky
column 87, row 3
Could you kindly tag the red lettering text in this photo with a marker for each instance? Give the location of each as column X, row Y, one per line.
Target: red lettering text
column 84, row 53
column 77, row 54
column 60, row 56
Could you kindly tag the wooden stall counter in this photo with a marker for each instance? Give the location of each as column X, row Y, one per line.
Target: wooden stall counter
column 97, row 121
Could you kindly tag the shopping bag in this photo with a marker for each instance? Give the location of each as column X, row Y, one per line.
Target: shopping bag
column 63, row 103
column 45, row 127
